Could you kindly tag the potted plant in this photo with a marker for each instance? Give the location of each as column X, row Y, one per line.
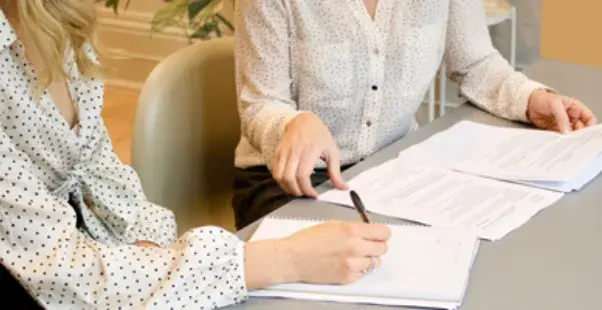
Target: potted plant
column 200, row 19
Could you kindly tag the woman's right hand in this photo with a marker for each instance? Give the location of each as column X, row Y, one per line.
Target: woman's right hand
column 328, row 253
column 337, row 252
column 305, row 141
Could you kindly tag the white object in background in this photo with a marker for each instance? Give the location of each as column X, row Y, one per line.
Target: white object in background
column 498, row 11
column 423, row 267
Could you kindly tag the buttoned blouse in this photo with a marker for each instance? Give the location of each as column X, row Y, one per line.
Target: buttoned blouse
column 364, row 78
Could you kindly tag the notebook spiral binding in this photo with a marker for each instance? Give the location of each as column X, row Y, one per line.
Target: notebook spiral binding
column 316, row 220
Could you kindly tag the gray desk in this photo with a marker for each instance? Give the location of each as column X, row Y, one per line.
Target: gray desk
column 554, row 262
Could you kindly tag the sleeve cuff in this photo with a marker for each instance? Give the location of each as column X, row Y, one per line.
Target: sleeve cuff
column 522, row 102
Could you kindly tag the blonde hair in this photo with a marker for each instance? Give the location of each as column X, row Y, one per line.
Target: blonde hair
column 54, row 26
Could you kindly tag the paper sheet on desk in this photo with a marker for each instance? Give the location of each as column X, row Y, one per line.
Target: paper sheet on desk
column 423, row 267
column 539, row 158
column 438, row 197
column 575, row 184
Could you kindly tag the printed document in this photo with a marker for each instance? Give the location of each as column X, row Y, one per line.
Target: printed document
column 444, row 198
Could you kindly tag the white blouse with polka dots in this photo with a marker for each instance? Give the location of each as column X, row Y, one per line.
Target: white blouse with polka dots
column 82, row 262
column 363, row 77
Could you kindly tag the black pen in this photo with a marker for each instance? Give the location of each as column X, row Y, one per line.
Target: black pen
column 359, row 206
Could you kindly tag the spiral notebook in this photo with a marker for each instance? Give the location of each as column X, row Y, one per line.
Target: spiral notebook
column 424, row 267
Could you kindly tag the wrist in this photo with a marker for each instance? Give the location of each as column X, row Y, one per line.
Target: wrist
column 302, row 116
column 270, row 262
column 291, row 271
column 535, row 97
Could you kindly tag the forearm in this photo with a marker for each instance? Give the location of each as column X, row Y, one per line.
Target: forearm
column 207, row 261
column 265, row 101
column 268, row 263
column 495, row 86
column 485, row 77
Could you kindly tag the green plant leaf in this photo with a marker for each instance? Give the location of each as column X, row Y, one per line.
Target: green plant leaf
column 112, row 4
column 170, row 14
column 209, row 10
column 224, row 21
column 194, row 7
column 203, row 18
column 115, row 4
column 204, row 32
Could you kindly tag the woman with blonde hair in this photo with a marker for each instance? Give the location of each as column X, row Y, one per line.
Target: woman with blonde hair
column 76, row 230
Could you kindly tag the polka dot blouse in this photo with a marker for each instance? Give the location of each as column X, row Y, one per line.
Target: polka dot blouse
column 364, row 78
column 66, row 261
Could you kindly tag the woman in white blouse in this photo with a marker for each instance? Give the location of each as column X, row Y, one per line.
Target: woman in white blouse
column 327, row 83
column 76, row 230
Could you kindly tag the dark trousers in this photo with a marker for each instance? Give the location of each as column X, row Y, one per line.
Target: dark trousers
column 257, row 194
column 14, row 296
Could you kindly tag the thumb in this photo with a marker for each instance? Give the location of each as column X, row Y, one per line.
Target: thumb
column 560, row 116
column 333, row 162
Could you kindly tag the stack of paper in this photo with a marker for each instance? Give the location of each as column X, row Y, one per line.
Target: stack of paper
column 488, row 180
column 423, row 267
column 538, row 158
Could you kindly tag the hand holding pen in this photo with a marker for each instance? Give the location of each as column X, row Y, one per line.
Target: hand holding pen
column 359, row 206
column 361, row 209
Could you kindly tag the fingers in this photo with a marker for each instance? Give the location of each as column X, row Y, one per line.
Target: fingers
column 560, row 116
column 280, row 167
column 373, row 232
column 290, row 173
column 363, row 264
column 590, row 119
column 580, row 114
column 333, row 161
column 363, row 247
column 357, row 267
column 294, row 166
column 293, row 171
column 305, row 170
column 285, row 170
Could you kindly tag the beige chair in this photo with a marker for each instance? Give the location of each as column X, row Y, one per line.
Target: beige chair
column 185, row 133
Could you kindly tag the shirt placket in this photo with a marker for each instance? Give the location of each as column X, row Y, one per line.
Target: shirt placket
column 374, row 95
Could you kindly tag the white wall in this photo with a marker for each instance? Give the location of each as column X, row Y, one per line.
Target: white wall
column 137, row 52
column 132, row 52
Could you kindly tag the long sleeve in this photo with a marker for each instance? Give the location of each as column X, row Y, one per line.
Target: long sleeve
column 263, row 75
column 63, row 268
column 484, row 76
column 118, row 200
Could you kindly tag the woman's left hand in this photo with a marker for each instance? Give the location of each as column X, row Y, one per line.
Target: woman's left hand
column 550, row 111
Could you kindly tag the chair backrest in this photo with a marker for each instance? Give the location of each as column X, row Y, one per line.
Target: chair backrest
column 186, row 130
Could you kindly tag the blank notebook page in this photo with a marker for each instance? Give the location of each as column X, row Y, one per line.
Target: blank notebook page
column 424, row 266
